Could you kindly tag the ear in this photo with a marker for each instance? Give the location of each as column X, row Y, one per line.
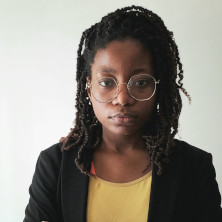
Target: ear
column 88, row 89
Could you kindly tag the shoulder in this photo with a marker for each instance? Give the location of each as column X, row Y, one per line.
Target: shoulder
column 192, row 159
column 48, row 165
column 199, row 176
column 187, row 151
column 53, row 153
column 53, row 158
column 44, row 186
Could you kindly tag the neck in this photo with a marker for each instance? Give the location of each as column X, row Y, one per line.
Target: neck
column 121, row 144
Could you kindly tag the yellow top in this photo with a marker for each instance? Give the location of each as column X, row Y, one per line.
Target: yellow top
column 122, row 202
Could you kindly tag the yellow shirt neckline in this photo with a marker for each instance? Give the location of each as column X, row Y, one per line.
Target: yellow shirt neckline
column 124, row 184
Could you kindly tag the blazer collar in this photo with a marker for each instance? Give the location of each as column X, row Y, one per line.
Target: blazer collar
column 74, row 189
column 74, row 192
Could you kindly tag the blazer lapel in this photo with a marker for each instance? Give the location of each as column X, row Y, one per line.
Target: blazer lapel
column 164, row 190
column 74, row 189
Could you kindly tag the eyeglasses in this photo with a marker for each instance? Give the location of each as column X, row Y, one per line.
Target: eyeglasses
column 141, row 87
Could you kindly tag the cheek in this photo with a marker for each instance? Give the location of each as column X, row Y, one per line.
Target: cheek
column 148, row 109
column 99, row 109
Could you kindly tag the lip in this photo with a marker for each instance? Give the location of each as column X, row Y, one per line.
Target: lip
column 123, row 115
column 124, row 118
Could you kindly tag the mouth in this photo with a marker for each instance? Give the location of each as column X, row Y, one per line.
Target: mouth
column 123, row 118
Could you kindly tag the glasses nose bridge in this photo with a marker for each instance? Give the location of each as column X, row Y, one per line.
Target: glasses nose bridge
column 123, row 83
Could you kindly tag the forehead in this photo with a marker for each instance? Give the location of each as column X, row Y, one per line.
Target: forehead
column 122, row 57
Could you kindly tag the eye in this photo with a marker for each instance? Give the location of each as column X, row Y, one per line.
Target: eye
column 106, row 83
column 141, row 83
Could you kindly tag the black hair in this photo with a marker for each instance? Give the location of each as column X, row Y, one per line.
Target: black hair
column 148, row 28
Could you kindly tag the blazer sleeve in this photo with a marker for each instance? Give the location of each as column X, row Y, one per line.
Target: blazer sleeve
column 42, row 204
column 208, row 205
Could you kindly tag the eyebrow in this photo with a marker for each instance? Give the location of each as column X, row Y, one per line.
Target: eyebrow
column 110, row 70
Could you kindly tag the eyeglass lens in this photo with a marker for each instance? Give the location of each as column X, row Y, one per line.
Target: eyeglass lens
column 140, row 87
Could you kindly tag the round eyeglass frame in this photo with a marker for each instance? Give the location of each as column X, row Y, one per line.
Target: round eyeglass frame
column 89, row 85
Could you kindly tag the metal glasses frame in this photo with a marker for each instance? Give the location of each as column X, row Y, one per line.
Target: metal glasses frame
column 89, row 85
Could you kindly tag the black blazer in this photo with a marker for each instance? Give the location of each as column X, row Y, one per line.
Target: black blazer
column 186, row 191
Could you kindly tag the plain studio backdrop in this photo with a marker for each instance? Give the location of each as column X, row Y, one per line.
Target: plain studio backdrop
column 38, row 48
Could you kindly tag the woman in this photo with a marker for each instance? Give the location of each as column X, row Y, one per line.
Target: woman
column 121, row 162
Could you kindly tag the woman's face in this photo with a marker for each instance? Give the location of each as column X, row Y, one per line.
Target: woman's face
column 122, row 60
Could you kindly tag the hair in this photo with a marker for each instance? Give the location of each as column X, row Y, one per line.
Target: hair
column 148, row 28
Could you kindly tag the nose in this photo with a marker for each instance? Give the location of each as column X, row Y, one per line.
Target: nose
column 123, row 97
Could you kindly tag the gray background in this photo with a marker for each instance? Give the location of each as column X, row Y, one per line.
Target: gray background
column 38, row 44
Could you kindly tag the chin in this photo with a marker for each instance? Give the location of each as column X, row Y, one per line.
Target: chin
column 124, row 130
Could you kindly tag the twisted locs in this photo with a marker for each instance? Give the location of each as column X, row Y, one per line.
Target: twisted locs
column 148, row 28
